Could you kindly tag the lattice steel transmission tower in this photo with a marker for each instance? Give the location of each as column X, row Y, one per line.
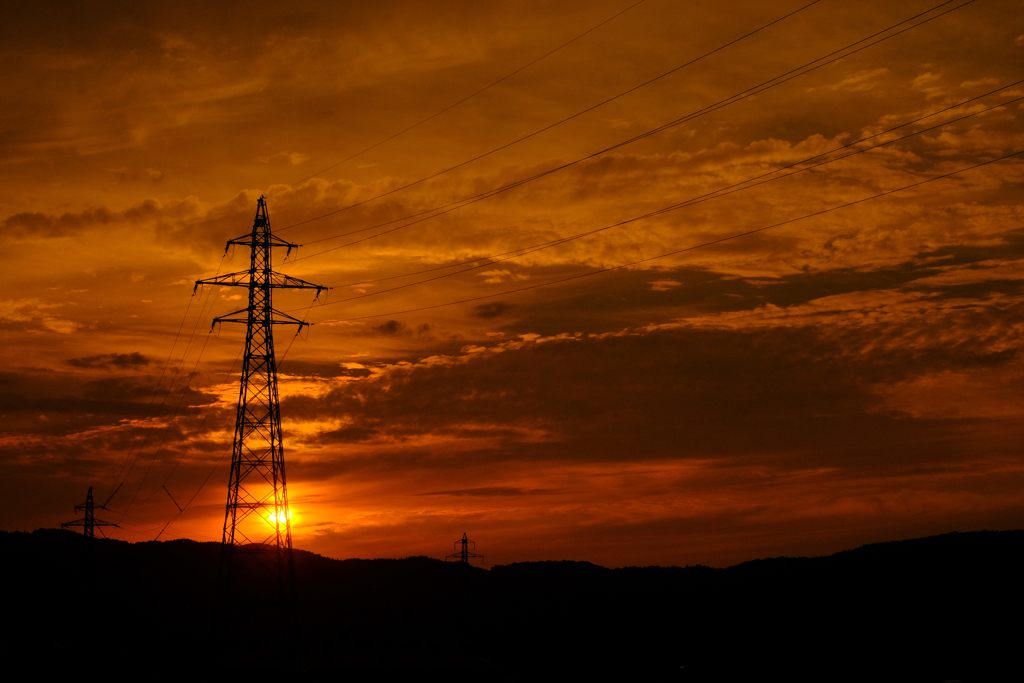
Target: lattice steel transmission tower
column 89, row 522
column 256, row 585
column 463, row 555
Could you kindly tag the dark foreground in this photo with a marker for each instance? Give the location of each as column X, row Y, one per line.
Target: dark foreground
column 934, row 609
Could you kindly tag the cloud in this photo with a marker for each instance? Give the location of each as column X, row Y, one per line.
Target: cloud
column 34, row 314
column 124, row 175
column 43, row 225
column 928, row 84
column 111, row 360
column 859, row 81
column 304, row 368
column 986, row 82
column 391, row 328
column 490, row 491
column 842, row 363
column 644, row 396
column 293, row 158
column 491, row 310
column 493, row 277
column 348, row 435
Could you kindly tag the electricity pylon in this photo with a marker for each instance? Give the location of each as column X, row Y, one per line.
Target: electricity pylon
column 257, row 520
column 89, row 522
column 463, row 555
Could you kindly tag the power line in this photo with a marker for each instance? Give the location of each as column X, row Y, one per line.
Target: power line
column 464, row 99
column 167, row 394
column 198, row 430
column 156, row 387
column 156, row 390
column 181, row 509
column 670, row 253
column 170, row 386
column 685, row 249
column 170, row 423
column 188, row 345
column 521, row 251
column 745, row 94
column 569, row 118
column 721, row 192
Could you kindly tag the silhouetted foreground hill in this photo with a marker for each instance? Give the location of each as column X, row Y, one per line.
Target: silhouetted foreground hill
column 941, row 608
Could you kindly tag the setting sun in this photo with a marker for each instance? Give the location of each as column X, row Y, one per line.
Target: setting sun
column 276, row 517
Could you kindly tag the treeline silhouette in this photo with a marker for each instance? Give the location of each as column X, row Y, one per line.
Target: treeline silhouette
column 932, row 609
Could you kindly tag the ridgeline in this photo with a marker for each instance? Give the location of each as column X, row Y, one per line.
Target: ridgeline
column 932, row 609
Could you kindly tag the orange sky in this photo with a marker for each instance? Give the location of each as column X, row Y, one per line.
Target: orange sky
column 846, row 378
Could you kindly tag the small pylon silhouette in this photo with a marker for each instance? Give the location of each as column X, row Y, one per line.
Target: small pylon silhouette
column 464, row 555
column 89, row 522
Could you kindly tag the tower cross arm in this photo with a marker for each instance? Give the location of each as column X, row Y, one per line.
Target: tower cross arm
column 276, row 318
column 282, row 281
column 84, row 522
column 244, row 278
column 100, row 522
column 239, row 279
column 247, row 240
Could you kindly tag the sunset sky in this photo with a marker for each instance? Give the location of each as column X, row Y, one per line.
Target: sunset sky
column 849, row 377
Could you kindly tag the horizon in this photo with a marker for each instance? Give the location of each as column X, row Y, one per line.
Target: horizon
column 488, row 566
column 649, row 357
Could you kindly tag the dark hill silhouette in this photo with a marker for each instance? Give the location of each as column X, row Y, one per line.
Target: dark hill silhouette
column 932, row 609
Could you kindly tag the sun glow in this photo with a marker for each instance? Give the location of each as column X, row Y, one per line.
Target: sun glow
column 280, row 517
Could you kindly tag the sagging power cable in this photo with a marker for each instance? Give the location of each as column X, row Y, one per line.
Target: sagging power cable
column 463, row 100
column 568, row 118
column 685, row 249
column 804, row 69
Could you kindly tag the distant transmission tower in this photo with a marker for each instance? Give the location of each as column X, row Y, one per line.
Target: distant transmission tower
column 89, row 522
column 463, row 555
column 255, row 580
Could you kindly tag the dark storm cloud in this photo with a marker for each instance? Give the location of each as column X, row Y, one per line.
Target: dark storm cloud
column 110, row 360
